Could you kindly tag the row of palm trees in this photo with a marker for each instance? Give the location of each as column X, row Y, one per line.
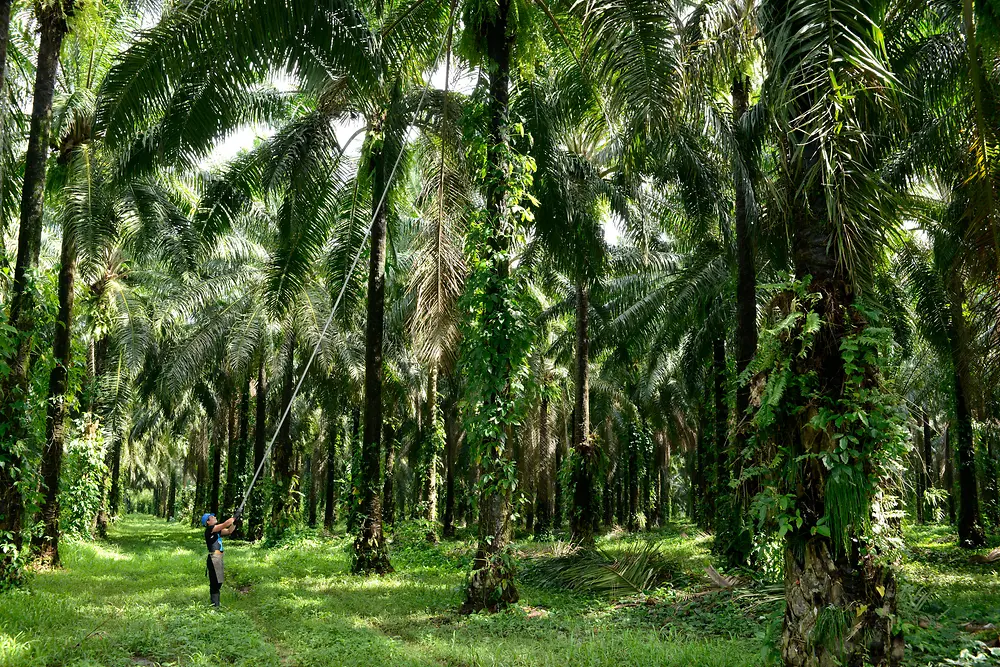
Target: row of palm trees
column 788, row 181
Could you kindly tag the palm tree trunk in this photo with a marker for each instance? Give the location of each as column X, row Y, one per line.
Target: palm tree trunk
column 823, row 583
column 58, row 404
column 928, row 453
column 330, row 496
column 232, row 454
column 5, row 6
column 546, row 454
column 949, row 474
column 218, row 442
column 311, row 495
column 920, row 472
column 52, row 26
column 282, row 460
column 115, row 495
column 583, row 515
column 431, row 442
column 255, row 525
column 970, row 524
column 451, row 451
column 388, row 499
column 172, row 495
column 370, row 552
column 491, row 584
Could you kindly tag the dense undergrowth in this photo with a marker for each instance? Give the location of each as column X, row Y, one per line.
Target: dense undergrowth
column 141, row 598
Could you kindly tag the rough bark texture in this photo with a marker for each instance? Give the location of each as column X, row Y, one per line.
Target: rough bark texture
column 255, row 525
column 57, row 404
column 930, row 477
column 115, row 495
column 839, row 606
column 583, row 516
column 52, row 26
column 370, row 552
column 172, row 496
column 311, row 495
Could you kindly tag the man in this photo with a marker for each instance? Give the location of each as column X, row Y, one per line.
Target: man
column 213, row 540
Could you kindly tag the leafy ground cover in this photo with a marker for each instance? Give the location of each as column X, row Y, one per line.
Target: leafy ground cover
column 140, row 598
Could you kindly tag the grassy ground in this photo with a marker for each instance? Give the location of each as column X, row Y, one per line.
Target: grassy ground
column 141, row 598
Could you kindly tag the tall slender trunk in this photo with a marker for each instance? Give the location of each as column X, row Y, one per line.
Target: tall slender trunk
column 970, row 524
column 172, row 495
column 58, row 403
column 584, row 511
column 14, row 390
column 219, row 433
column 432, row 444
column 115, row 495
column 5, row 6
column 451, row 451
column 920, row 473
column 388, row 491
column 737, row 548
column 283, row 453
column 242, row 453
column 370, row 552
column 311, row 495
column 562, row 442
column 232, row 455
column 949, row 474
column 546, row 454
column 491, row 583
column 255, row 525
column 333, row 432
column 929, row 476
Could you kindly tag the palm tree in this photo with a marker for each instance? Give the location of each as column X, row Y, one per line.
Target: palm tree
column 828, row 86
column 52, row 20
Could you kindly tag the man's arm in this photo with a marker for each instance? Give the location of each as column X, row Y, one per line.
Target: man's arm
column 221, row 527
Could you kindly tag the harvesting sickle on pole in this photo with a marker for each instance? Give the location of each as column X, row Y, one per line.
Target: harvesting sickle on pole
column 343, row 287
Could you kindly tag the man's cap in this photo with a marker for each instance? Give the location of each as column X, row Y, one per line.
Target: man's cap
column 204, row 519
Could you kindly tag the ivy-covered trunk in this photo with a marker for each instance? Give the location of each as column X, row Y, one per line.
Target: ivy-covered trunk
column 432, row 443
column 370, row 552
column 283, row 453
column 584, row 460
column 839, row 439
column 14, row 390
column 57, row 406
column 255, row 523
column 970, row 525
column 495, row 339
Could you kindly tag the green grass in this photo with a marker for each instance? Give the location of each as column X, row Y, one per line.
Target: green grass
column 939, row 586
column 141, row 598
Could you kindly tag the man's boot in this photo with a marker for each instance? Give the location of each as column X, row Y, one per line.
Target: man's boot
column 215, row 600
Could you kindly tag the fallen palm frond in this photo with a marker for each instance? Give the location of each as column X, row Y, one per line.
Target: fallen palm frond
column 636, row 567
